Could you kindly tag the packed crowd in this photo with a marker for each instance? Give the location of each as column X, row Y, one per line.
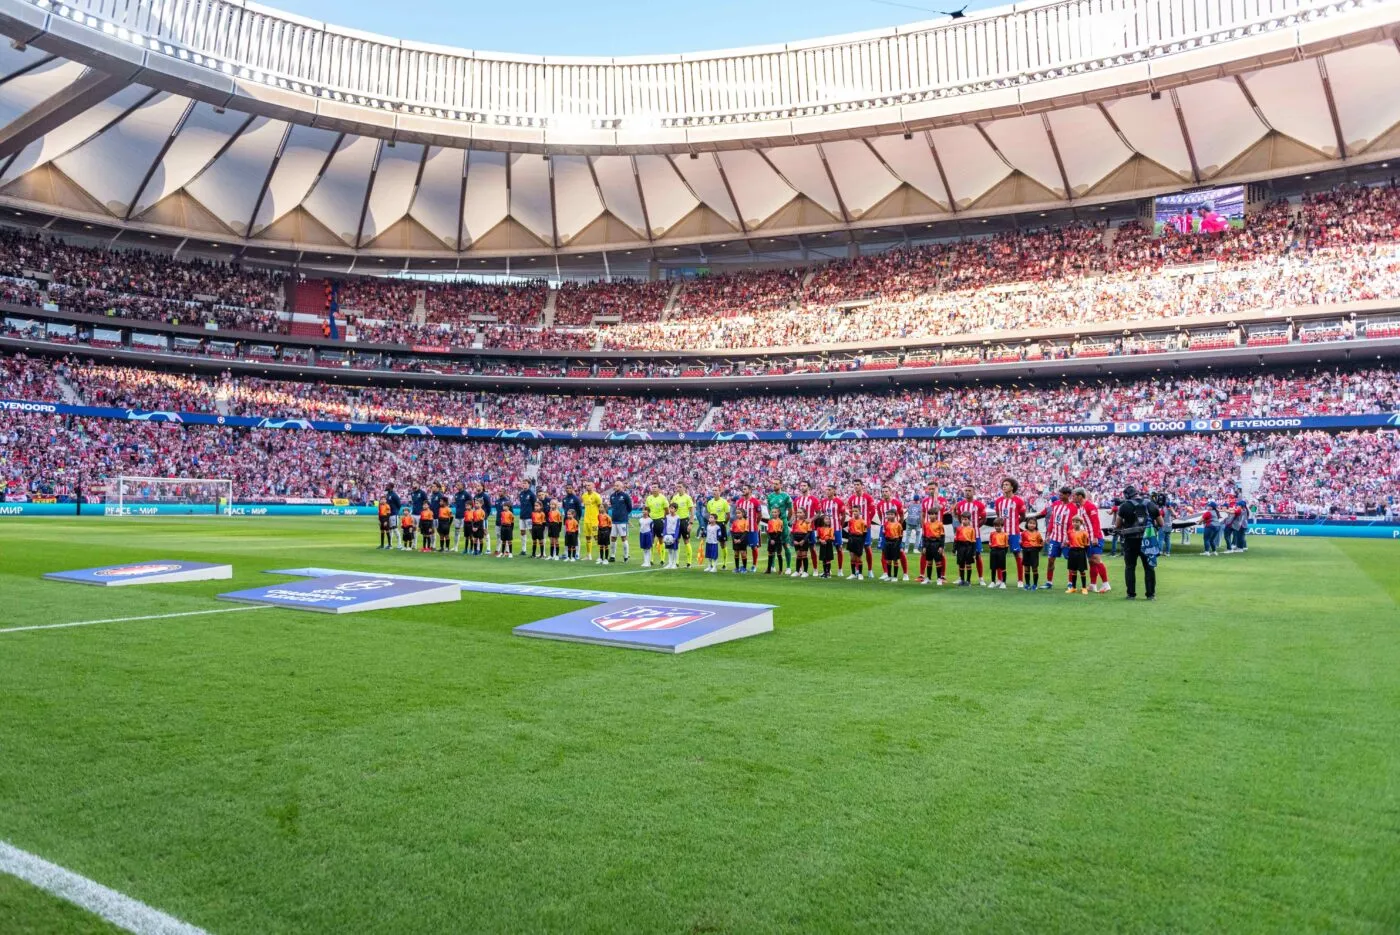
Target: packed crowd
column 1311, row 392
column 674, row 414
column 633, row 301
column 1307, row 473
column 135, row 284
column 1334, row 246
column 1316, row 474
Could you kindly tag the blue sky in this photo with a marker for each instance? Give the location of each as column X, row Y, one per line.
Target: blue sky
column 614, row 27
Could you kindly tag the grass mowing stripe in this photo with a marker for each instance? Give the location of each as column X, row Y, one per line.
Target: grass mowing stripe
column 88, row 623
column 121, row 910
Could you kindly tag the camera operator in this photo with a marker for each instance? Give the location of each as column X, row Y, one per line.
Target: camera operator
column 1137, row 522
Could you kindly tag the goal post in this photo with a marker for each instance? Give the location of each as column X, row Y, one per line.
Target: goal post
column 198, row 495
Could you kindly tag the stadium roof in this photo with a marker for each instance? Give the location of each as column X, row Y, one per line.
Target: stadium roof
column 231, row 123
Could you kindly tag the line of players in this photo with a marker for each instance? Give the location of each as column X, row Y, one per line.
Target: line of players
column 805, row 535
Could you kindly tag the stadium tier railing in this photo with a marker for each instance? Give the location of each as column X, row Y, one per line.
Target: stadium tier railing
column 883, row 77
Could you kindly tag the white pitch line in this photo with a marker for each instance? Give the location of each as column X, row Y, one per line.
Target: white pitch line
column 122, row 911
column 88, row 623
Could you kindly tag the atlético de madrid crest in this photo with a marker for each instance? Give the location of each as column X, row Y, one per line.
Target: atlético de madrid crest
column 647, row 617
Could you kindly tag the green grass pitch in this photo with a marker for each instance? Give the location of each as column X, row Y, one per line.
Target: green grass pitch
column 892, row 758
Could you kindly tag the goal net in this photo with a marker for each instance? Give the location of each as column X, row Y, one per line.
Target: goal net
column 134, row 496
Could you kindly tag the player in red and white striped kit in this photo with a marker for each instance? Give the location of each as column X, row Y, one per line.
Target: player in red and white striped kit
column 1060, row 515
column 750, row 508
column 970, row 506
column 1098, row 571
column 834, row 509
column 861, row 504
column 805, row 504
column 888, row 503
column 1011, row 510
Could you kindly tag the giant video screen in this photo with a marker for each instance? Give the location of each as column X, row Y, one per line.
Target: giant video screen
column 1206, row 211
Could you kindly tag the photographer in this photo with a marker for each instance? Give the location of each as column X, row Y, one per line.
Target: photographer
column 1137, row 522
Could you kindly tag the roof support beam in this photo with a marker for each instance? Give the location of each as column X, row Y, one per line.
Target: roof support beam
column 369, row 189
column 942, row 175
column 1059, row 163
column 267, row 180
column 462, row 205
column 1332, row 107
column 729, row 190
column 836, row 190
column 160, row 157
column 1116, row 129
column 1186, row 138
column 641, row 198
column 91, row 89
column 553, row 213
column 1253, row 104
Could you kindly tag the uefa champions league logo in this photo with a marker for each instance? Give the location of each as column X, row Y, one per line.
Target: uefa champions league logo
column 127, row 571
column 373, row 584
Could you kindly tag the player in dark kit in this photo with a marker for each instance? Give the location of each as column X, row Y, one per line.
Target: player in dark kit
column 858, row 535
column 932, row 561
column 776, row 547
column 555, row 519
column 1031, row 544
column 386, row 521
column 444, row 525
column 892, row 557
column 802, row 542
column 538, row 527
column 425, row 527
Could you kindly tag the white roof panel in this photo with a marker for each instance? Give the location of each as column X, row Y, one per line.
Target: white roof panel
column 12, row 59
column 231, row 184
column 912, row 161
column 862, row 179
column 112, row 165
column 1221, row 122
column 757, row 188
column 1089, row 147
column 1294, row 103
column 303, row 155
column 620, row 191
column 1363, row 85
column 529, row 194
column 21, row 94
column 973, row 168
column 671, row 193
column 339, row 196
column 1024, row 143
column 486, row 204
column 436, row 205
column 1152, row 129
column 393, row 188
column 576, row 199
column 199, row 140
column 802, row 169
column 54, row 144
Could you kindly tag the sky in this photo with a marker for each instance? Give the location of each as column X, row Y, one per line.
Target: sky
column 617, row 27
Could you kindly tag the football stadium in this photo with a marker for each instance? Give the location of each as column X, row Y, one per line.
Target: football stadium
column 326, row 356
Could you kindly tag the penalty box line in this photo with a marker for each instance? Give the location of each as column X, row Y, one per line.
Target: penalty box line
column 88, row 623
column 126, row 913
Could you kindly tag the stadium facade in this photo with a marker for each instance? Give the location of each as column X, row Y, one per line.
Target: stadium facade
column 230, row 127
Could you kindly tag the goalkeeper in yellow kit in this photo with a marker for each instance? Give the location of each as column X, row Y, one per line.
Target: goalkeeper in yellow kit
column 592, row 505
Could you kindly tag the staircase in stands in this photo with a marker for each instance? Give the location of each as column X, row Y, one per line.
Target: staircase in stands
column 307, row 301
